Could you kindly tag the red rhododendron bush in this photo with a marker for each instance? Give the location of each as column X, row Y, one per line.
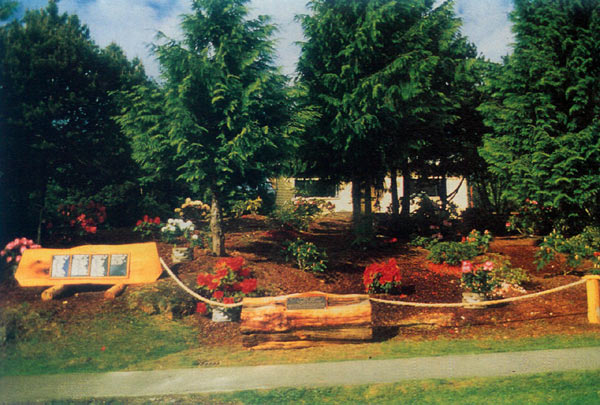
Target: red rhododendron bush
column 229, row 282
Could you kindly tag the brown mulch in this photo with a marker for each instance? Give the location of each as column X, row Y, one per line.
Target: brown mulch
column 262, row 245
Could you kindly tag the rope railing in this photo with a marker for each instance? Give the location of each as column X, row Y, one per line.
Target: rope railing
column 390, row 302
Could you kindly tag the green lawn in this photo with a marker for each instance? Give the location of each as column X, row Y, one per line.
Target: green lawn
column 114, row 339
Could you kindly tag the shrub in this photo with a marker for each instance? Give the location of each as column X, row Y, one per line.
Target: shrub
column 307, row 256
column 229, row 283
column 503, row 272
column 247, row 207
column 382, row 277
column 301, row 212
column 531, row 219
column 11, row 254
column 478, row 278
column 430, row 219
column 576, row 248
column 176, row 228
column 76, row 220
column 148, row 227
column 452, row 253
column 481, row 240
column 193, row 210
column 425, row 242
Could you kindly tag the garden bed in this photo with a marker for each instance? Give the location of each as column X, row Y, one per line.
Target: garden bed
column 262, row 247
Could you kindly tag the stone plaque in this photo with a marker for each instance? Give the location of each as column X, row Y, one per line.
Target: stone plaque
column 296, row 303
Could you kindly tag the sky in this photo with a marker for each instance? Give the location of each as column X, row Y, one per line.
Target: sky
column 133, row 24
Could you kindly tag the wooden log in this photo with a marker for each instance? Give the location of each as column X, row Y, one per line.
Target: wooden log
column 114, row 291
column 53, row 292
column 305, row 319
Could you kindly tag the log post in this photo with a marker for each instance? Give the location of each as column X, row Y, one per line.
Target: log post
column 53, row 292
column 114, row 291
column 592, row 286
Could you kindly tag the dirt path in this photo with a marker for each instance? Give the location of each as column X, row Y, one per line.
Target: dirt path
column 207, row 380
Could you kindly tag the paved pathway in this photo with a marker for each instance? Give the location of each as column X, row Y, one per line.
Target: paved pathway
column 205, row 380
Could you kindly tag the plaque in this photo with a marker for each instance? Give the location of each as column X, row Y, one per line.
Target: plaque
column 60, row 266
column 80, row 265
column 118, row 265
column 99, row 267
column 296, row 303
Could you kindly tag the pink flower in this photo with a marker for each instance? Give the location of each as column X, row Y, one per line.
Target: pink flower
column 18, row 259
column 10, row 245
column 489, row 265
column 467, row 266
column 2, row 252
column 508, row 224
column 9, row 259
column 36, row 246
column 23, row 248
column 534, row 202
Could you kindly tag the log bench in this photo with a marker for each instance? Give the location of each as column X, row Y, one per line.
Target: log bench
column 305, row 319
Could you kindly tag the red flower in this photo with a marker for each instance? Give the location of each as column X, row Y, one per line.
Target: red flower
column 228, row 300
column 245, row 272
column 234, row 263
column 248, row 285
column 145, row 218
column 157, row 220
column 201, row 308
column 596, row 254
column 139, row 222
column 218, row 295
column 222, row 272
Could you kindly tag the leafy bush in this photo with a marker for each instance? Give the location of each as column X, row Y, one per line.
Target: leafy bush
column 430, row 219
column 247, row 207
column 175, row 229
column 502, row 270
column 481, row 240
column 230, row 282
column 193, row 210
column 11, row 255
column 148, row 227
column 300, row 213
column 307, row 256
column 478, row 279
column 382, row 277
column 585, row 246
column 531, row 219
column 76, row 220
column 452, row 253
column 425, row 242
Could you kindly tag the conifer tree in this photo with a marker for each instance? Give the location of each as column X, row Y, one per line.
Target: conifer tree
column 225, row 103
column 544, row 107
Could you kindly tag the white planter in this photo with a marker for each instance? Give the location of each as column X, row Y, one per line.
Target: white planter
column 473, row 299
column 182, row 254
column 220, row 314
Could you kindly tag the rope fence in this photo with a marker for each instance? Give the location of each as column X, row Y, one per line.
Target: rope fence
column 390, row 302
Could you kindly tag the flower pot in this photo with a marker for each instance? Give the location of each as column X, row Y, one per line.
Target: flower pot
column 220, row 314
column 473, row 299
column 182, row 254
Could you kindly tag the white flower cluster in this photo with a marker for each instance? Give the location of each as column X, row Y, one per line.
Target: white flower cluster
column 178, row 226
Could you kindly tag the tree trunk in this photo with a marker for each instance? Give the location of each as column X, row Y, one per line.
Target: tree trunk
column 356, row 202
column 406, row 187
column 368, row 198
column 216, row 224
column 394, row 192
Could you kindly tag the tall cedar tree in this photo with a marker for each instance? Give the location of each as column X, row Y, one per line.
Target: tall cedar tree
column 382, row 74
column 226, row 105
column 55, row 113
column 544, row 110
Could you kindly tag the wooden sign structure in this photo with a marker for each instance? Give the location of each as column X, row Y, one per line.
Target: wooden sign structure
column 305, row 319
column 116, row 265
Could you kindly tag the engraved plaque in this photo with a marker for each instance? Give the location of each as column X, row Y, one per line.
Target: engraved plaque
column 60, row 266
column 80, row 265
column 306, row 303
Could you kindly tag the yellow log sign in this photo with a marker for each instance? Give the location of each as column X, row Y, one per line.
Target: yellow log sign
column 90, row 264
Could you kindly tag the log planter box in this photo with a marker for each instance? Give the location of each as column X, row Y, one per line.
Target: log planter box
column 305, row 319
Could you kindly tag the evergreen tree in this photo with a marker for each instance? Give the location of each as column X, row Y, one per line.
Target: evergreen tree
column 225, row 104
column 544, row 107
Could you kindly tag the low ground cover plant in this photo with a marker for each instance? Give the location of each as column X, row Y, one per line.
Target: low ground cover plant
column 382, row 277
column 230, row 282
column 307, row 256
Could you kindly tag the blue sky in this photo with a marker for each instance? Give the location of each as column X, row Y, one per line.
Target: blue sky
column 133, row 24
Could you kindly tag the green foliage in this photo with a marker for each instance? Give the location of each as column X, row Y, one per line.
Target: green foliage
column 584, row 246
column 247, row 207
column 543, row 108
column 502, row 270
column 56, row 106
column 301, row 212
column 425, row 242
column 307, row 256
column 149, row 228
column 431, row 219
column 531, row 219
column 452, row 253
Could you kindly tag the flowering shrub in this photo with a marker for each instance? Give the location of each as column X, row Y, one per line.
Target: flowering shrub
column 77, row 219
column 307, row 256
column 425, row 242
column 147, row 226
column 13, row 251
column 585, row 246
column 230, row 282
column 175, row 228
column 478, row 278
column 382, row 277
column 531, row 219
column 246, row 207
column 503, row 272
column 193, row 210
column 454, row 253
column 301, row 212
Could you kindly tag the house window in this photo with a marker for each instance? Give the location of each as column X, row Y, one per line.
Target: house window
column 315, row 188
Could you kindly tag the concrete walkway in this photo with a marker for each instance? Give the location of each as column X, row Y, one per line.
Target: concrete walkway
column 206, row 380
